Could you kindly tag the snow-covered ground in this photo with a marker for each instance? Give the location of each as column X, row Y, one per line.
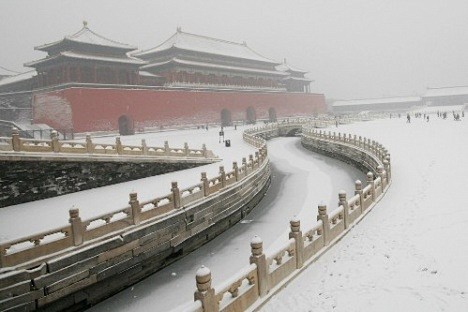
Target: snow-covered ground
column 411, row 252
column 408, row 254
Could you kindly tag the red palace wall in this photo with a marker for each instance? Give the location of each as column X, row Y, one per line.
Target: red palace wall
column 89, row 109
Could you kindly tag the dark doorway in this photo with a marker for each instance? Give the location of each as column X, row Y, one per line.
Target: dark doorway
column 251, row 117
column 125, row 125
column 226, row 119
column 272, row 114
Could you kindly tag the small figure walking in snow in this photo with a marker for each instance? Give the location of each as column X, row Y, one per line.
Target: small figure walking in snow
column 408, row 118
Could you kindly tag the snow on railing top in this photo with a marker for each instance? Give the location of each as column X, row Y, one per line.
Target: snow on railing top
column 54, row 145
column 301, row 249
column 80, row 231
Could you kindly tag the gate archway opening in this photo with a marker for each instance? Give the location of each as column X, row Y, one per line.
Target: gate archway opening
column 125, row 125
column 251, row 116
column 226, row 119
column 272, row 114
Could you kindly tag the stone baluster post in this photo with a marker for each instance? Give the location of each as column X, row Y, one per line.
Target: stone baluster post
column 54, row 141
column 360, row 141
column 15, row 139
column 144, row 147
column 89, row 144
column 244, row 164
column 370, row 181
column 355, row 140
column 175, row 194
column 118, row 146
column 135, row 205
column 167, row 151
column 236, row 170
column 296, row 233
column 323, row 216
column 339, row 137
column 342, row 201
column 381, row 173
column 257, row 158
column 358, row 191
column 251, row 161
column 76, row 226
column 222, row 176
column 259, row 258
column 204, row 151
column 389, row 169
column 205, row 184
column 186, row 149
column 205, row 293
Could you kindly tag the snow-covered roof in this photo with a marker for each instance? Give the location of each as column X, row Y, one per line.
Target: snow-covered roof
column 75, row 55
column 7, row 72
column 148, row 74
column 446, row 91
column 377, row 101
column 214, row 66
column 448, row 108
column 87, row 36
column 197, row 43
column 17, row 77
column 288, row 68
column 297, row 79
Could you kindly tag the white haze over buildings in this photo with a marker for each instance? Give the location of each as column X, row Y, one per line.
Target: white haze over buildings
column 352, row 48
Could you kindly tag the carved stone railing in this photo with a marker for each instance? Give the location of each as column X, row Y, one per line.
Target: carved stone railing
column 54, row 145
column 268, row 271
column 38, row 247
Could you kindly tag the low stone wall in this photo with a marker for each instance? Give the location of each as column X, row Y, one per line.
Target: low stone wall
column 29, row 178
column 37, row 169
column 85, row 261
column 270, row 270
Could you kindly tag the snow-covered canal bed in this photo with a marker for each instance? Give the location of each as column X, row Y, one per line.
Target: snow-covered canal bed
column 301, row 179
column 411, row 252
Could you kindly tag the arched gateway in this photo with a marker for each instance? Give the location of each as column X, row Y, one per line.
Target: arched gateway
column 251, row 116
column 272, row 114
column 226, row 119
column 125, row 125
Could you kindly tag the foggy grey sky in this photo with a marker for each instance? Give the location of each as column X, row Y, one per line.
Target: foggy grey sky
column 352, row 48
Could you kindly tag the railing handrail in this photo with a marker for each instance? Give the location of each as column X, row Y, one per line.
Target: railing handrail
column 134, row 210
column 315, row 245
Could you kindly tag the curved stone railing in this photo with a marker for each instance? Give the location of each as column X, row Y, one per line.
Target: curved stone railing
column 269, row 271
column 54, row 145
column 33, row 249
column 108, row 252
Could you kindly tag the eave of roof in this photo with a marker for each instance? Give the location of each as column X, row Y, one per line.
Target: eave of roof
column 74, row 55
column 87, row 36
column 213, row 66
column 17, row 78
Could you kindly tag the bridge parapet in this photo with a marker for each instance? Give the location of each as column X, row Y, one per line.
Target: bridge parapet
column 54, row 145
column 270, row 270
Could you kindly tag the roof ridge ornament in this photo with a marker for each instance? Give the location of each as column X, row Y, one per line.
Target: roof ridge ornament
column 179, row 29
column 284, row 61
column 85, row 24
column 244, row 43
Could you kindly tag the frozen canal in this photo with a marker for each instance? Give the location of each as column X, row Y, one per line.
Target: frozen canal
column 301, row 180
